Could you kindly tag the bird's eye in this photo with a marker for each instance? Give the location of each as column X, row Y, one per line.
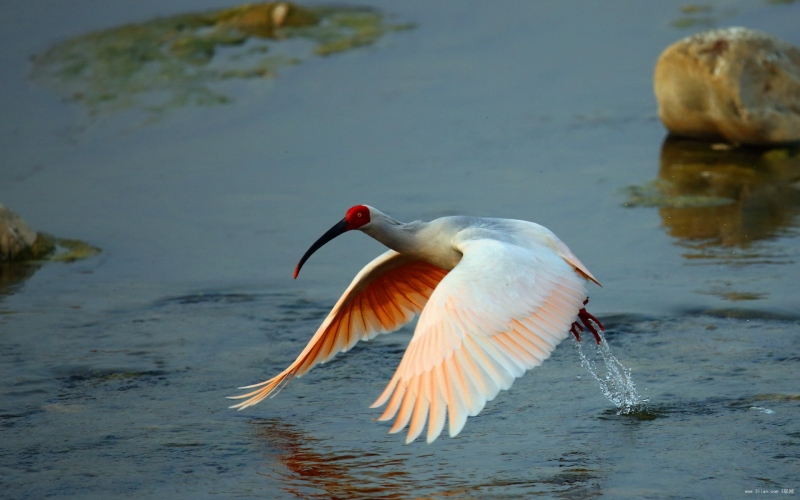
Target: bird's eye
column 359, row 214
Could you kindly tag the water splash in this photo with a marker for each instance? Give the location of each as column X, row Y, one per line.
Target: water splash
column 616, row 383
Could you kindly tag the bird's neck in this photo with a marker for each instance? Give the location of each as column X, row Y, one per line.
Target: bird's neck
column 398, row 236
column 417, row 239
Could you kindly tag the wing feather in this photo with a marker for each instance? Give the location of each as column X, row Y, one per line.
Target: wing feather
column 384, row 296
column 421, row 406
column 500, row 312
column 471, row 374
column 407, row 407
column 394, row 403
column 438, row 408
column 458, row 402
column 512, row 350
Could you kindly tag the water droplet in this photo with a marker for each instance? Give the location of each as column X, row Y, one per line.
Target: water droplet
column 616, row 384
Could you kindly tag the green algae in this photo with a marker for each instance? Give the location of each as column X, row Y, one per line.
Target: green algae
column 68, row 250
column 177, row 61
column 364, row 28
column 703, row 16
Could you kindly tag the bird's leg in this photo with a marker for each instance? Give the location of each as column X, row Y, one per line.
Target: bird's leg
column 574, row 330
column 587, row 319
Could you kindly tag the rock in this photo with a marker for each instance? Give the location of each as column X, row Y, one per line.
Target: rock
column 736, row 84
column 17, row 239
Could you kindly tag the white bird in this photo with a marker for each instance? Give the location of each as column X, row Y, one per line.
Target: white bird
column 495, row 295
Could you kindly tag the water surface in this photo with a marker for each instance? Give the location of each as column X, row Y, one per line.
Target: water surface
column 114, row 369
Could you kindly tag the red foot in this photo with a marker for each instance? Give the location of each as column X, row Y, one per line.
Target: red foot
column 586, row 319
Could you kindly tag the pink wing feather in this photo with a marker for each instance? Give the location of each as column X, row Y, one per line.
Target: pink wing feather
column 500, row 312
column 384, row 296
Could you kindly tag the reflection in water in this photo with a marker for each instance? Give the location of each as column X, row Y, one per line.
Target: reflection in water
column 170, row 62
column 311, row 470
column 722, row 289
column 14, row 273
column 719, row 200
column 316, row 473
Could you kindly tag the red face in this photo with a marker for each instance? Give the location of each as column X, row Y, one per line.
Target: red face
column 356, row 217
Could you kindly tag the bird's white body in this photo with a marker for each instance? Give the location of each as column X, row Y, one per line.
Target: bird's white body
column 495, row 295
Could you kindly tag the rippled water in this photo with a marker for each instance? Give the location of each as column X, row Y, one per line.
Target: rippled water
column 114, row 370
column 129, row 400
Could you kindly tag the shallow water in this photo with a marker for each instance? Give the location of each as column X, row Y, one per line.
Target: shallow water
column 114, row 369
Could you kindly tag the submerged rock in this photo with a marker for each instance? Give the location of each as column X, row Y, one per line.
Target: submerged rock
column 736, row 84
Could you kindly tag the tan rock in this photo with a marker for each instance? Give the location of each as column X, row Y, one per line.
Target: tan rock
column 16, row 237
column 734, row 83
column 18, row 242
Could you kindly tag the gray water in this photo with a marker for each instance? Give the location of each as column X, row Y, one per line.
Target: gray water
column 114, row 369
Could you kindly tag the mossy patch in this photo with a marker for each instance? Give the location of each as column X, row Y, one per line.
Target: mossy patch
column 697, row 15
column 176, row 61
column 68, row 250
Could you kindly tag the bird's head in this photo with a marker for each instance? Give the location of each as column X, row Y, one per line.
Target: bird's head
column 356, row 218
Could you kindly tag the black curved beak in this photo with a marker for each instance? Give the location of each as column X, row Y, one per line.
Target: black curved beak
column 332, row 233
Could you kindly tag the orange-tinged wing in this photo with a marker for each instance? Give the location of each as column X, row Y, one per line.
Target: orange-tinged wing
column 384, row 296
column 501, row 311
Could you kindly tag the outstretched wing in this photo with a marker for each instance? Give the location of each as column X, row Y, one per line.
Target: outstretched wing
column 500, row 312
column 384, row 296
